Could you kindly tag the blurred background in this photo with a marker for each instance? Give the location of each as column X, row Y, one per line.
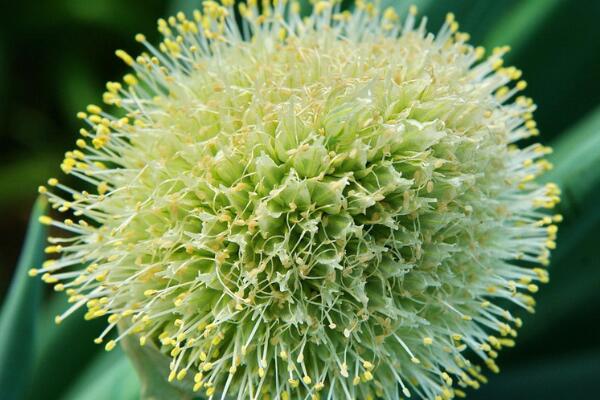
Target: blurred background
column 55, row 57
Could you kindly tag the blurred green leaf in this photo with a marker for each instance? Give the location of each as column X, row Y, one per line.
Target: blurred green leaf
column 109, row 377
column 518, row 24
column 19, row 313
column 560, row 62
column 152, row 368
column 577, row 162
column 401, row 6
column 476, row 17
column 67, row 348
column 575, row 276
column 186, row 6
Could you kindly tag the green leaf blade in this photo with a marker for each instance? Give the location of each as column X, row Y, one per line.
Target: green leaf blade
column 19, row 313
column 109, row 376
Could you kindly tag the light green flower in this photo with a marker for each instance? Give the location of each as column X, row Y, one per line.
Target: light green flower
column 323, row 207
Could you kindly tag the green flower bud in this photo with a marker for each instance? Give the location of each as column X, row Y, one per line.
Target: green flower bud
column 300, row 207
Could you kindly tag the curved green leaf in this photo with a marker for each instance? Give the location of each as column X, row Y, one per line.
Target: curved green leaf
column 19, row 313
column 575, row 276
column 67, row 348
column 577, row 161
column 109, row 377
column 519, row 23
column 152, row 368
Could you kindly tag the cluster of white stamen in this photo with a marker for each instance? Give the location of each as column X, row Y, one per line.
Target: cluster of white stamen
column 320, row 207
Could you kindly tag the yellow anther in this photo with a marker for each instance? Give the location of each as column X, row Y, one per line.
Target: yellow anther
column 102, row 188
column 497, row 64
column 282, row 34
column 390, row 14
column 525, row 280
column 531, row 124
column 53, row 249
column 427, row 341
column 101, row 277
column 140, row 38
column 521, row 85
column 96, row 119
column 125, row 57
column 99, row 313
column 542, row 275
column 479, row 52
column 130, row 79
column 181, row 374
column 94, row 109
column 344, row 370
column 533, row 288
column 321, row 6
column 45, row 220
column 492, row 365
column 501, row 92
column 113, row 87
column 356, row 380
column 110, row 345
column 294, row 383
column 367, row 376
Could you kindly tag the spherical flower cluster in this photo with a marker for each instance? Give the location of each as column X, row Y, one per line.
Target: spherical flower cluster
column 301, row 208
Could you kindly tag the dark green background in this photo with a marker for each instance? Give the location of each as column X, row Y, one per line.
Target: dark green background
column 56, row 55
